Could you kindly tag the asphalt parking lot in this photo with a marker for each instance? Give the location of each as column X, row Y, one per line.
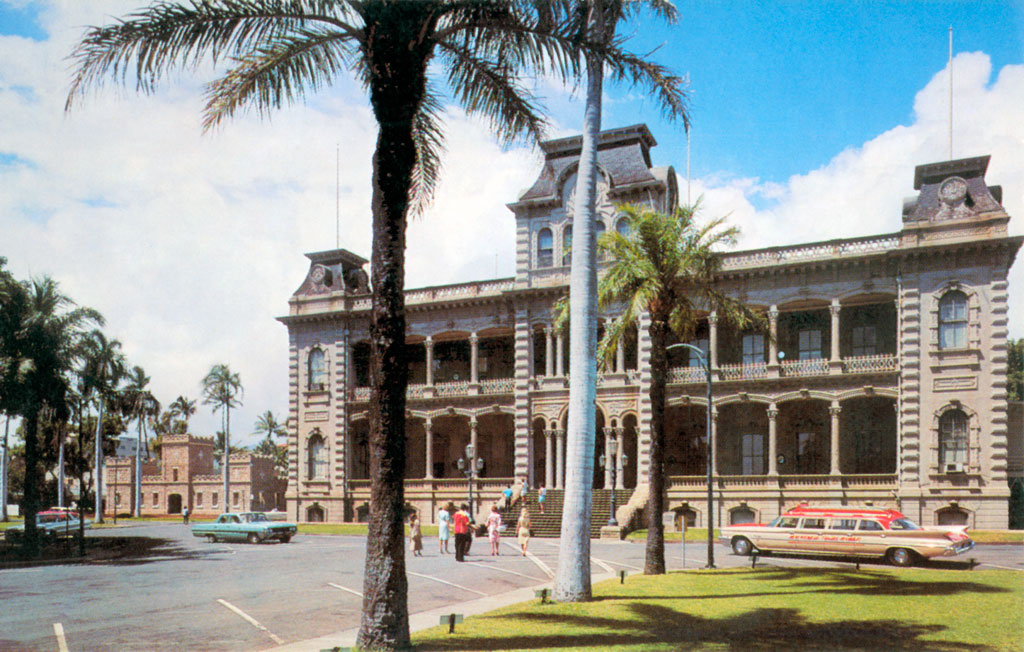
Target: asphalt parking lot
column 187, row 594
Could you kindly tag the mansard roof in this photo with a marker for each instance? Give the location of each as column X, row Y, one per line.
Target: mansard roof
column 622, row 154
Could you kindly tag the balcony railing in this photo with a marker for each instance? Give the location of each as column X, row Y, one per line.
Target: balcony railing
column 743, row 371
column 452, row 388
column 813, row 367
column 866, row 364
column 498, row 386
column 700, row 482
column 686, row 375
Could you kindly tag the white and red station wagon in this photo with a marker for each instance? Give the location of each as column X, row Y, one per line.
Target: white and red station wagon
column 857, row 532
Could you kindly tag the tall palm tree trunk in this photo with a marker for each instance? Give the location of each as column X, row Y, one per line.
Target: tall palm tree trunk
column 98, row 468
column 137, row 490
column 33, row 478
column 3, row 472
column 81, row 479
column 60, row 466
column 226, row 463
column 572, row 581
column 654, row 562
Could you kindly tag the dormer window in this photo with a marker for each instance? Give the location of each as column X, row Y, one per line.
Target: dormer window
column 317, row 370
column 953, row 320
column 545, row 248
column 567, row 245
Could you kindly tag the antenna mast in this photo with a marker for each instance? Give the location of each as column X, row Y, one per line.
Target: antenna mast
column 951, row 92
column 688, row 167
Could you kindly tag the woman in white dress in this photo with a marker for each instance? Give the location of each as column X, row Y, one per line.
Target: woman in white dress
column 444, row 519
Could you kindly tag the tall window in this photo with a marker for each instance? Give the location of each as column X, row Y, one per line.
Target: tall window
column 199, row 499
column 317, row 369
column 622, row 226
column 598, row 230
column 953, row 438
column 806, row 452
column 702, row 344
column 567, row 245
column 316, row 458
column 753, row 349
column 752, row 452
column 953, row 320
column 809, row 344
column 864, row 340
column 545, row 248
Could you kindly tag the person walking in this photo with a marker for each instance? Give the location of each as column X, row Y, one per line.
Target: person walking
column 184, row 515
column 415, row 536
column 460, row 523
column 542, row 493
column 444, row 531
column 523, row 529
column 493, row 529
column 507, row 493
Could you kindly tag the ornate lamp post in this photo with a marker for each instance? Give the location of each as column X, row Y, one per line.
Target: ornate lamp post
column 471, row 465
column 608, row 461
column 705, row 359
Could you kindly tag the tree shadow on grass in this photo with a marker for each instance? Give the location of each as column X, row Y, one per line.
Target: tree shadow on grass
column 760, row 630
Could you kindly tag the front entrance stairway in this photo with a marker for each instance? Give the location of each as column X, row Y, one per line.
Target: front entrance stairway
column 549, row 524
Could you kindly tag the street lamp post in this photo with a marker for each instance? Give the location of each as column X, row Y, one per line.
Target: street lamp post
column 608, row 461
column 471, row 465
column 705, row 358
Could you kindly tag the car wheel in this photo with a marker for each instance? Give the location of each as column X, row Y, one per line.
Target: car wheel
column 286, row 538
column 900, row 557
column 254, row 538
column 210, row 538
column 742, row 546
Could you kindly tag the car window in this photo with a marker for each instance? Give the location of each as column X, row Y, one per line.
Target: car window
column 843, row 524
column 870, row 525
column 257, row 518
column 223, row 519
column 235, row 519
column 904, row 524
column 812, row 524
column 785, row 521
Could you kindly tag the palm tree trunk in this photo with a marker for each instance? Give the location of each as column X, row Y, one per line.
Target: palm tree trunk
column 81, row 480
column 97, row 482
column 60, row 466
column 227, row 459
column 33, row 478
column 654, row 563
column 3, row 473
column 572, row 580
column 137, row 491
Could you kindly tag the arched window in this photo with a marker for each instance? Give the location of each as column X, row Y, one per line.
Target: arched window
column 317, row 370
column 545, row 248
column 567, row 245
column 316, row 458
column 952, row 440
column 953, row 320
column 598, row 230
column 622, row 226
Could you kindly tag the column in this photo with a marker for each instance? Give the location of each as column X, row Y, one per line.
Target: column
column 620, row 357
column 472, row 435
column 428, row 344
column 620, row 434
column 713, row 338
column 549, row 352
column 531, row 353
column 428, row 428
column 560, row 354
column 714, row 441
column 773, row 466
column 560, row 460
column 834, row 411
column 474, row 356
column 549, row 458
column 773, row 341
column 609, row 460
column 835, row 363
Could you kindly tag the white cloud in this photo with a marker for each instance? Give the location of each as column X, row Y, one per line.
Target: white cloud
column 861, row 190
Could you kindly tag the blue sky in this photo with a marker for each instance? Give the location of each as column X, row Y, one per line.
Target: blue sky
column 808, row 120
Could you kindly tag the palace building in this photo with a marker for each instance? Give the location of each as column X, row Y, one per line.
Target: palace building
column 882, row 381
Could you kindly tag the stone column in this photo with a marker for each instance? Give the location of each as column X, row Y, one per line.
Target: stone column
column 560, row 354
column 620, row 434
column 773, row 413
column 713, row 339
column 428, row 428
column 620, row 358
column 428, row 344
column 609, row 460
column 472, row 435
column 560, row 459
column 834, row 411
column 714, row 441
column 835, row 363
column 474, row 358
column 549, row 458
column 549, row 351
column 773, row 341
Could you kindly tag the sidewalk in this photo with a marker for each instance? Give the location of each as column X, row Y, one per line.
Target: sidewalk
column 430, row 618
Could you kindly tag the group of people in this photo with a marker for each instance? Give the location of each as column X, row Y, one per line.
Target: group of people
column 460, row 524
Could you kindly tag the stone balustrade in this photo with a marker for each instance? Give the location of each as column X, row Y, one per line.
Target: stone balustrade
column 812, row 367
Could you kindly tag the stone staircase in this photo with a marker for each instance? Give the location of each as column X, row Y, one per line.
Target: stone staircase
column 549, row 524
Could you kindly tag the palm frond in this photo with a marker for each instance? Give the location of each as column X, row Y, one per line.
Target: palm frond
column 428, row 137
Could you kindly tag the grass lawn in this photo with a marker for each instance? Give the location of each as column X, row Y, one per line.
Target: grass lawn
column 767, row 609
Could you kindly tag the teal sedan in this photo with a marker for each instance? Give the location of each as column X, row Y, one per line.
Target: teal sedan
column 253, row 527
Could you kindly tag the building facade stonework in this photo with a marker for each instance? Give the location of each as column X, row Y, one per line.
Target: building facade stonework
column 882, row 380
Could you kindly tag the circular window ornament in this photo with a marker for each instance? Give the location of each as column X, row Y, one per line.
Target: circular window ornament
column 953, row 190
column 321, row 275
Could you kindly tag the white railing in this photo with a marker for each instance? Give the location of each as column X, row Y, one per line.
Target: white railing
column 416, row 391
column 498, row 386
column 453, row 388
column 361, row 394
column 686, row 375
column 813, row 367
column 743, row 371
column 817, row 250
column 866, row 364
column 460, row 290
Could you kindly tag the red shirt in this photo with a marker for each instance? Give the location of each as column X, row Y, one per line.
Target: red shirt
column 461, row 523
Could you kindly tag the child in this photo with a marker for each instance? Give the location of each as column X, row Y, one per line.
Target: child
column 415, row 536
column 493, row 523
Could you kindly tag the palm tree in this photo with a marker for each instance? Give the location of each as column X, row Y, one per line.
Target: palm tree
column 40, row 355
column 664, row 266
column 280, row 50
column 222, row 389
column 141, row 405
column 268, row 425
column 183, row 409
column 104, row 368
column 598, row 18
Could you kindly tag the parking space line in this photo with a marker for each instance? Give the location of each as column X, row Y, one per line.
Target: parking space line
column 505, row 570
column 62, row 643
column 252, row 621
column 619, row 563
column 438, row 579
column 343, row 588
column 604, row 565
column 535, row 559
